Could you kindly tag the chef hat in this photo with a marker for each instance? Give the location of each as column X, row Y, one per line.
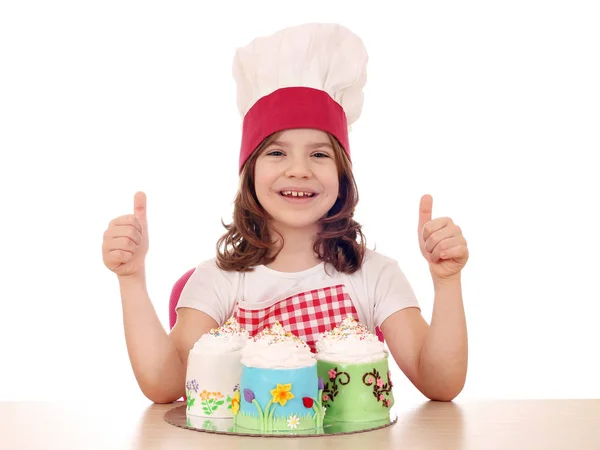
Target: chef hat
column 305, row 76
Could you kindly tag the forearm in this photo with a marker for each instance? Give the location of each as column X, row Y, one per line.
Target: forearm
column 443, row 358
column 156, row 364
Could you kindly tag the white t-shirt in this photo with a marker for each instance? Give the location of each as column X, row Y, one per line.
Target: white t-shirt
column 377, row 290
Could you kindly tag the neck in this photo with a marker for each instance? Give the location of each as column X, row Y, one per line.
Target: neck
column 297, row 252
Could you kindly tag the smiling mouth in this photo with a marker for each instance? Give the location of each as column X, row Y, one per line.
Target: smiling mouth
column 297, row 194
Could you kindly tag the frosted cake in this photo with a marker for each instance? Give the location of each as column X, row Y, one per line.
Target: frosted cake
column 213, row 372
column 353, row 363
column 279, row 386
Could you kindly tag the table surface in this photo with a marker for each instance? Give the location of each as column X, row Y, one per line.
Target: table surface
column 482, row 425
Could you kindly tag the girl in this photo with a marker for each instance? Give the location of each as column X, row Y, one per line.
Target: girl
column 293, row 252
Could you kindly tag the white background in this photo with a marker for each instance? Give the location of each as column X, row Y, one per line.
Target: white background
column 491, row 107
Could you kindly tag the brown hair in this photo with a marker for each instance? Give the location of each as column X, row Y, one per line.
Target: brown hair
column 247, row 241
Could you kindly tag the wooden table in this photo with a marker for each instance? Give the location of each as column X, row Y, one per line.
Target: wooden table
column 481, row 425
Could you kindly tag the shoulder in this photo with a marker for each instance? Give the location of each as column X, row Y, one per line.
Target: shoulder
column 375, row 261
column 210, row 290
column 380, row 269
column 209, row 270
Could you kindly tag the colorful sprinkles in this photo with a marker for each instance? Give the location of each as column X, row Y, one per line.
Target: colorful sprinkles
column 230, row 328
column 277, row 334
column 350, row 328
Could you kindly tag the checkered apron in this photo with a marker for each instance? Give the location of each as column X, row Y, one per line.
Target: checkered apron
column 306, row 314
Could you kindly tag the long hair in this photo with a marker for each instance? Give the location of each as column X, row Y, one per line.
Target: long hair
column 247, row 241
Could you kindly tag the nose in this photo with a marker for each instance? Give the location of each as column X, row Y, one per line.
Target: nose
column 298, row 167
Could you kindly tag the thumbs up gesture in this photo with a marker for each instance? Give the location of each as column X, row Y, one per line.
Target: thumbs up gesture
column 441, row 242
column 125, row 242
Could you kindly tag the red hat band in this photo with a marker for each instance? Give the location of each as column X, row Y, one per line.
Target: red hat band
column 288, row 108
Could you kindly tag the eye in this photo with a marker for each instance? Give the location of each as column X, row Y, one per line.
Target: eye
column 275, row 153
column 321, row 155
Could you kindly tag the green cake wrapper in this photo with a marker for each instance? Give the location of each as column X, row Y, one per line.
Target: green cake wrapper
column 356, row 392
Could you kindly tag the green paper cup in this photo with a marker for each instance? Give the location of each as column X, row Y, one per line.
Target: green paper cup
column 356, row 392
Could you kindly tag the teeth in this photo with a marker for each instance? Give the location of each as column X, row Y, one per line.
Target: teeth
column 297, row 194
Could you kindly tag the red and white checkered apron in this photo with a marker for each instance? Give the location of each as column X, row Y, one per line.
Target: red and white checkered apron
column 306, row 314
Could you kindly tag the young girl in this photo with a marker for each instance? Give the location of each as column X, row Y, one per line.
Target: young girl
column 294, row 253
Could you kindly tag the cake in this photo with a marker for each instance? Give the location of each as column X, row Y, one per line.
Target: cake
column 353, row 363
column 218, row 425
column 279, row 386
column 213, row 372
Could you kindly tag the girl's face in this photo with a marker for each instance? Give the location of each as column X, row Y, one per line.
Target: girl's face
column 296, row 179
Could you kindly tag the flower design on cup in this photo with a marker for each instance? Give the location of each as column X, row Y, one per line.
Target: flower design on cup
column 281, row 394
column 380, row 388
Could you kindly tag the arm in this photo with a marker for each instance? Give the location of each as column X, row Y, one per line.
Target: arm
column 158, row 359
column 434, row 358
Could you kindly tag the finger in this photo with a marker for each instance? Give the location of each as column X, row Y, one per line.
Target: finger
column 436, row 237
column 459, row 253
column 124, row 244
column 425, row 209
column 124, row 231
column 126, row 220
column 117, row 257
column 444, row 245
column 139, row 208
column 436, row 230
column 435, row 225
column 445, row 230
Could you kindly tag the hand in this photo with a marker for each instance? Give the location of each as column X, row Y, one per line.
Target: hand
column 441, row 243
column 125, row 243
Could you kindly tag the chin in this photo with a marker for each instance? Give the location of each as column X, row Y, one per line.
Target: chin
column 295, row 223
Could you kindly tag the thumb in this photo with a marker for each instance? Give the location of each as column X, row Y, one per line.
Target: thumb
column 139, row 208
column 425, row 209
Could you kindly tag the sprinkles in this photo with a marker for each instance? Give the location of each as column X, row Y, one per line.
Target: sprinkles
column 349, row 328
column 230, row 328
column 276, row 334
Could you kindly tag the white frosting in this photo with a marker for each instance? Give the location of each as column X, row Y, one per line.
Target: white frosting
column 231, row 337
column 350, row 343
column 275, row 348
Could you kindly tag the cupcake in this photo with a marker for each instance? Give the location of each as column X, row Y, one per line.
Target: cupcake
column 280, row 389
column 353, row 363
column 213, row 372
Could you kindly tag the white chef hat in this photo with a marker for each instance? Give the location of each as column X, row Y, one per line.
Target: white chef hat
column 305, row 76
